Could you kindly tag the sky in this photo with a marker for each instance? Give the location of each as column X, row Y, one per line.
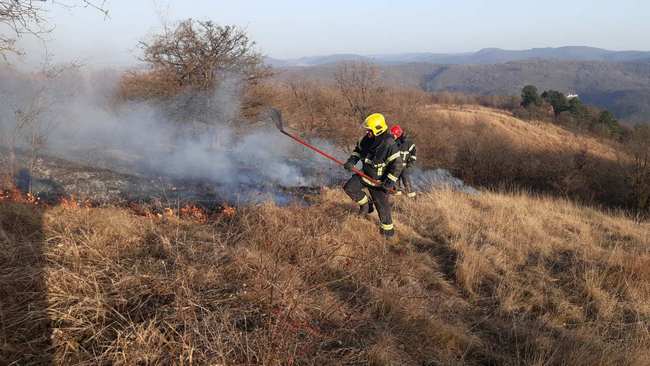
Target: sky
column 292, row 28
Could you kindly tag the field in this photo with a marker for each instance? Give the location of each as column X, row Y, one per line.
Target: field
column 548, row 265
column 489, row 279
column 152, row 212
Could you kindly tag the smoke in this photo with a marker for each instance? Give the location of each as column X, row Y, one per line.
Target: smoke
column 196, row 136
column 425, row 180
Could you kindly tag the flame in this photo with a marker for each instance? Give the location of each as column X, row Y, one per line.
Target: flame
column 30, row 198
column 69, row 203
column 189, row 211
column 73, row 203
column 229, row 211
column 13, row 194
column 193, row 212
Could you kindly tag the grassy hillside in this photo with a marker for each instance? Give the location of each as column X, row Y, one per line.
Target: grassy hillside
column 533, row 136
column 491, row 148
column 484, row 146
column 621, row 87
column 503, row 279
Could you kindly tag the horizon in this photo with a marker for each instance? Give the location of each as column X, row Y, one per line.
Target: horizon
column 291, row 29
column 460, row 52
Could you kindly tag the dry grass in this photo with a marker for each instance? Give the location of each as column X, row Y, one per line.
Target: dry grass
column 533, row 136
column 489, row 279
column 491, row 148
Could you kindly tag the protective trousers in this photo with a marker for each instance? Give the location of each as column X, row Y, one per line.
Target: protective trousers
column 378, row 196
column 407, row 182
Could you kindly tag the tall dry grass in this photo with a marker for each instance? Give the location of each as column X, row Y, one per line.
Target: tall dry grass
column 490, row 279
column 556, row 282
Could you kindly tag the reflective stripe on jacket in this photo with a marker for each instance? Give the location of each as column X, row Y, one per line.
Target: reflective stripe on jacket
column 380, row 156
column 407, row 150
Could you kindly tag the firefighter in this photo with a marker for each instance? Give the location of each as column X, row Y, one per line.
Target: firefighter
column 408, row 154
column 382, row 162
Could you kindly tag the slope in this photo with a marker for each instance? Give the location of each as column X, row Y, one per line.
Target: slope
column 621, row 87
column 490, row 279
column 446, row 123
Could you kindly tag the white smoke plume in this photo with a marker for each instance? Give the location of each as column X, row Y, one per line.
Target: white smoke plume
column 195, row 136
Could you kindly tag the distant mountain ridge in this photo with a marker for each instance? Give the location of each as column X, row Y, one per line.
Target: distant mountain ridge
column 481, row 57
column 621, row 87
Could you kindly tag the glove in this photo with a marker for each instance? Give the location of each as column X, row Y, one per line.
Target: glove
column 348, row 165
column 388, row 185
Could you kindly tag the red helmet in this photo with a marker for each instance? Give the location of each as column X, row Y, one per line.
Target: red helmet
column 396, row 131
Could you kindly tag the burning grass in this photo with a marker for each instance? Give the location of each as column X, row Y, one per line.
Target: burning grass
column 13, row 194
column 489, row 279
column 190, row 211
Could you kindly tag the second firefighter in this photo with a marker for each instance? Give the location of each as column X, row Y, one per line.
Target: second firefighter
column 408, row 151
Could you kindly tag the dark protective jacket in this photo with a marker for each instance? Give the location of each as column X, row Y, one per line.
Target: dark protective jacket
column 407, row 150
column 380, row 156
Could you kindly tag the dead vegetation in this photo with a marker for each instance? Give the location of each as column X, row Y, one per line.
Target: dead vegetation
column 487, row 147
column 492, row 279
column 484, row 146
column 193, row 56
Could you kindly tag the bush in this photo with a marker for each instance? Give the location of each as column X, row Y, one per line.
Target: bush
column 530, row 96
column 155, row 84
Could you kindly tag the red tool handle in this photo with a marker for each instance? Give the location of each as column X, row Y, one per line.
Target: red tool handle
column 323, row 153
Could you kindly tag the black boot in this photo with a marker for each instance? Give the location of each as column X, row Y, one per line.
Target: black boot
column 387, row 233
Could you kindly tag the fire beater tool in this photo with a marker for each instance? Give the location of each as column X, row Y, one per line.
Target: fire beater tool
column 276, row 116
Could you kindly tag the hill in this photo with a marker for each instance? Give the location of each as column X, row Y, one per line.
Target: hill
column 484, row 56
column 485, row 147
column 621, row 87
column 471, row 280
column 538, row 137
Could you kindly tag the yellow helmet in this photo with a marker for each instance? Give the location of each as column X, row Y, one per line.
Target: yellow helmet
column 375, row 123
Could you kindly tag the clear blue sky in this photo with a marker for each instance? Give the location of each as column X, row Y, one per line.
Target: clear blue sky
column 292, row 28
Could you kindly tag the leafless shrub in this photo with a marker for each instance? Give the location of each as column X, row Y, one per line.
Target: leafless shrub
column 29, row 128
column 196, row 52
column 144, row 86
column 360, row 85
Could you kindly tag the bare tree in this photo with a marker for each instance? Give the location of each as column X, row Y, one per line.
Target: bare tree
column 310, row 98
column 360, row 85
column 196, row 52
column 27, row 17
column 28, row 129
column 20, row 16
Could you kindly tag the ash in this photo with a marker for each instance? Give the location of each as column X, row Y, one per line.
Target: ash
column 53, row 178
